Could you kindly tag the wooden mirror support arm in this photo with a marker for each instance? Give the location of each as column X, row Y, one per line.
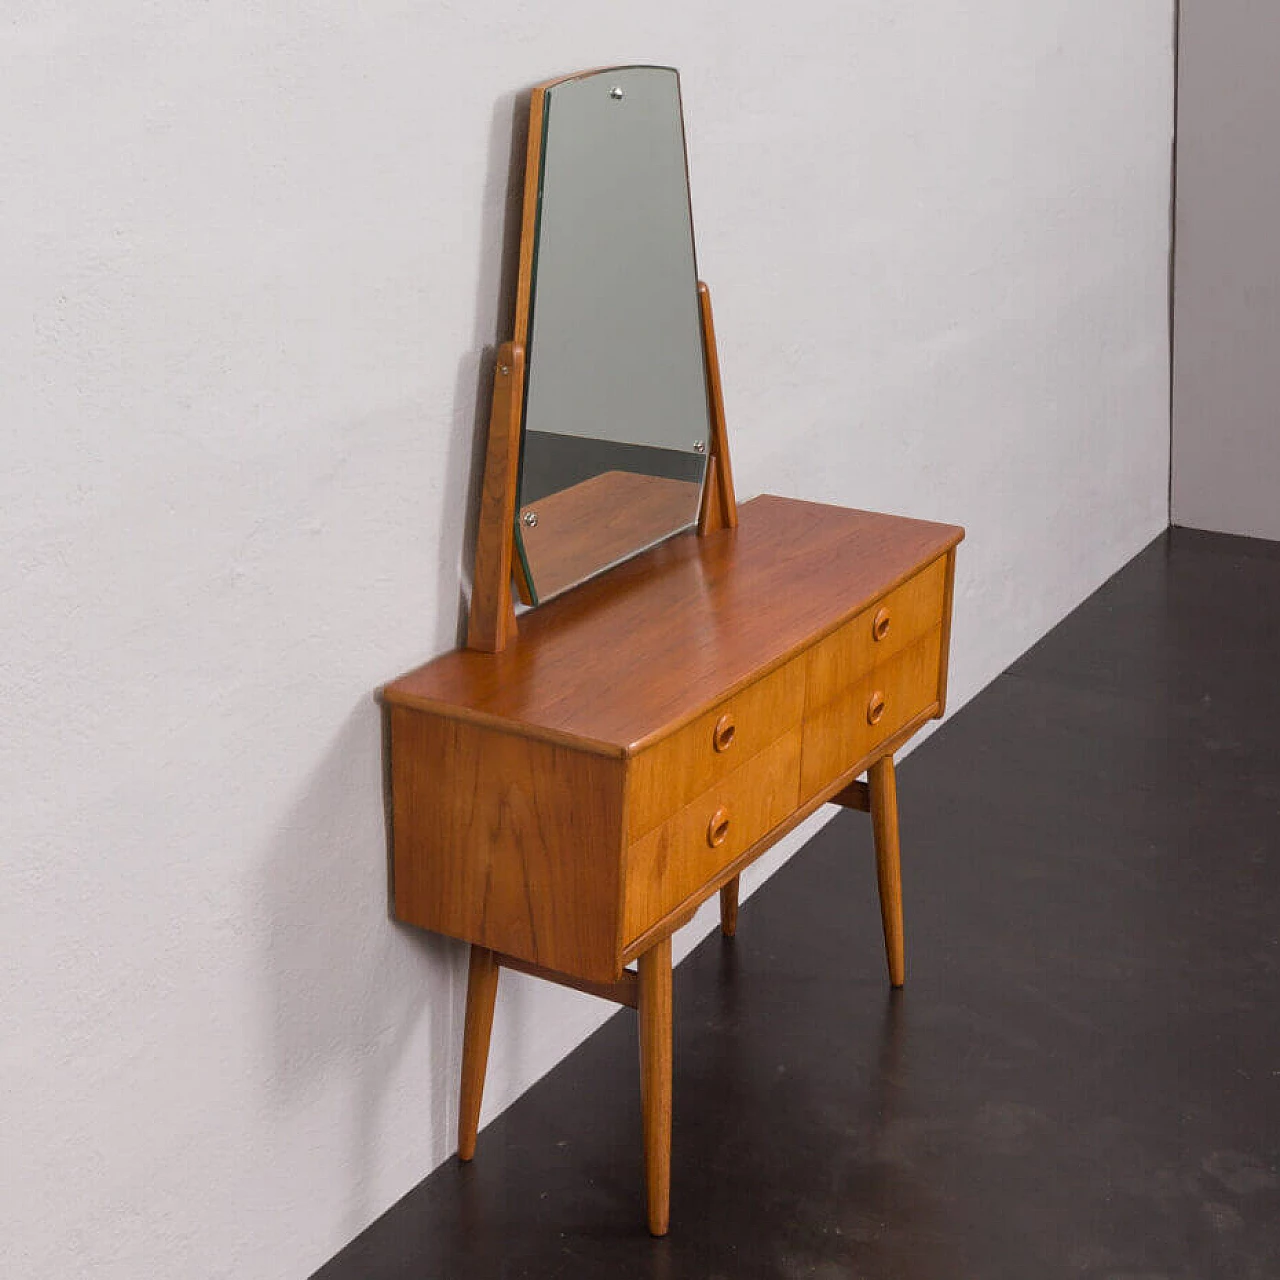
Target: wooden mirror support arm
column 719, row 504
column 492, row 622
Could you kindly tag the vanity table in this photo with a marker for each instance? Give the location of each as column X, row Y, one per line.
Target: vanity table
column 572, row 785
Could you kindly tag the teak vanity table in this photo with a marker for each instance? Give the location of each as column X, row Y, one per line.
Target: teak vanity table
column 569, row 788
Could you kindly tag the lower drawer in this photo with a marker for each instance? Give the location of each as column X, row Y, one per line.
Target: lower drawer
column 868, row 711
column 674, row 860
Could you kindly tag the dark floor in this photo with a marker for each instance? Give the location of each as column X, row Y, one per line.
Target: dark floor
column 1082, row 1077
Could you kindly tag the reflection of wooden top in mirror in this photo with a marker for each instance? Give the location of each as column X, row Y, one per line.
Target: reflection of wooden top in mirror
column 600, row 521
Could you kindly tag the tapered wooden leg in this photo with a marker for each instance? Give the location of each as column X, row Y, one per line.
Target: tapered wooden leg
column 655, row 1080
column 482, row 992
column 884, row 823
column 729, row 908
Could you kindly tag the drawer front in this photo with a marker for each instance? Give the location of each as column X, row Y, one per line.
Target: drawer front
column 507, row 842
column 877, row 634
column 666, row 776
column 684, row 853
column 868, row 709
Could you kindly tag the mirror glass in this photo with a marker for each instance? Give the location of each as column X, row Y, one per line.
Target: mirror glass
column 616, row 416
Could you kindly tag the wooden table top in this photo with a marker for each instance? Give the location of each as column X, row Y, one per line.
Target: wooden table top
column 635, row 653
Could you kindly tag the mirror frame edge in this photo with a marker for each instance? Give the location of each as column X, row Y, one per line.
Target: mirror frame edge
column 491, row 622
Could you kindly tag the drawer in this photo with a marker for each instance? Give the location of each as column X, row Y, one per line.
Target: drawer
column 667, row 775
column 867, row 709
column 878, row 633
column 677, row 858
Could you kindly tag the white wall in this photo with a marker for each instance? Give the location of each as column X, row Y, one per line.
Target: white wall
column 250, row 259
column 1226, row 440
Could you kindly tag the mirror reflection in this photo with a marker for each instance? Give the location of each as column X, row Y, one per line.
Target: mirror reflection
column 616, row 417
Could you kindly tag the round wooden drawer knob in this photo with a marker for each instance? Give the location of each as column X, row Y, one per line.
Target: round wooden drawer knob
column 880, row 624
column 875, row 707
column 722, row 736
column 718, row 827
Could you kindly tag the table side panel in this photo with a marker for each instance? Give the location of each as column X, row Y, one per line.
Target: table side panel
column 509, row 842
column 671, row 772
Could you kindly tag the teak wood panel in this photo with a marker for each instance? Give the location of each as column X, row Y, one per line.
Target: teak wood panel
column 492, row 620
column 680, row 627
column 676, row 859
column 588, row 526
column 719, row 501
column 837, row 723
column 507, row 842
column 885, row 628
column 664, row 776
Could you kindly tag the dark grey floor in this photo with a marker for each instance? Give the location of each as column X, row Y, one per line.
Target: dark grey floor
column 1082, row 1077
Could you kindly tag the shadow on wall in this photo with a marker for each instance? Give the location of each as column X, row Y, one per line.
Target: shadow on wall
column 345, row 990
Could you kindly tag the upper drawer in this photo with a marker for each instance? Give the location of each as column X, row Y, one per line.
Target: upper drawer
column 671, row 772
column 877, row 634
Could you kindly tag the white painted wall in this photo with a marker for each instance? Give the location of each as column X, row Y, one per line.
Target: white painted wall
column 1226, row 395
column 250, row 262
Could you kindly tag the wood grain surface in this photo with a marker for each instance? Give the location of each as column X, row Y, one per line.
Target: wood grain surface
column 655, row 1080
column 508, row 842
column 883, row 630
column 719, row 500
column 491, row 623
column 884, row 820
column 729, row 908
column 680, row 627
column 623, row 991
column 587, row 527
column 684, row 911
column 482, row 993
column 675, row 769
column 678, row 857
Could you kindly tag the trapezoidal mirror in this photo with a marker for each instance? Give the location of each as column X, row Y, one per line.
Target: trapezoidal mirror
column 616, row 417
